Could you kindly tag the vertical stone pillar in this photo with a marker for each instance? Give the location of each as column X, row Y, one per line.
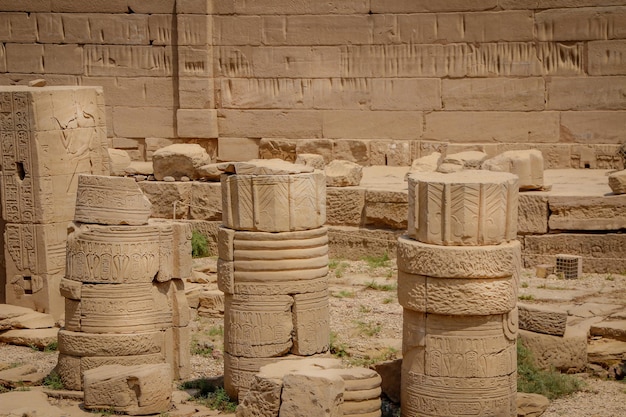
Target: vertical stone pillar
column 272, row 267
column 458, row 273
column 48, row 135
column 123, row 286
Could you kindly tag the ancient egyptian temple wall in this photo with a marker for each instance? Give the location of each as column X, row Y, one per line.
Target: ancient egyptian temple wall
column 375, row 81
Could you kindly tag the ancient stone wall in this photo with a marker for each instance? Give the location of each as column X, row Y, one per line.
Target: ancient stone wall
column 375, row 81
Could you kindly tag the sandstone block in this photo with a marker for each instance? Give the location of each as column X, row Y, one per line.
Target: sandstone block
column 312, row 393
column 209, row 172
column 169, row 199
column 196, row 123
column 273, row 166
column 521, row 94
column 591, row 127
column 390, row 153
column 617, row 182
column 20, row 376
column 352, row 150
column 119, row 161
column 527, row 165
column 428, row 163
column 589, row 213
column 283, row 149
column 536, row 318
column 345, row 205
column 405, row 94
column 343, row 174
column 179, row 160
column 31, row 320
column 110, row 201
column 585, row 23
column 123, row 308
column 355, row 243
column 24, row 58
column 469, row 208
column 455, row 162
column 606, row 57
column 274, row 203
column 453, row 297
column 81, row 344
column 206, row 201
column 386, row 209
column 494, row 261
column 269, row 124
column 40, row 338
column 178, row 351
column 135, row 390
column 323, row 147
column 563, row 353
column 488, row 126
column 312, row 160
column 237, row 149
column 133, row 122
column 311, row 323
column 8, row 311
column 359, row 124
column 592, row 93
column 610, row 329
column 530, row 405
column 211, row 304
column 533, row 214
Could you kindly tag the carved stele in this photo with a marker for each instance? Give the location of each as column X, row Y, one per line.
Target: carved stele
column 110, row 201
column 274, row 203
column 465, row 208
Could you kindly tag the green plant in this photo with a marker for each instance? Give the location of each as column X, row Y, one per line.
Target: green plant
column 199, row 245
column 338, row 267
column 524, row 285
column 526, row 297
column 53, row 381
column 610, row 277
column 388, row 300
column 201, row 349
column 551, row 384
column 215, row 331
column 377, row 261
column 368, row 328
column 343, row 294
column 337, row 349
column 51, row 347
column 364, row 309
column 385, row 354
column 373, row 285
column 211, row 394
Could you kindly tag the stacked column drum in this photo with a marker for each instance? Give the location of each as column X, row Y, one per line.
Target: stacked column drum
column 123, row 289
column 272, row 268
column 458, row 273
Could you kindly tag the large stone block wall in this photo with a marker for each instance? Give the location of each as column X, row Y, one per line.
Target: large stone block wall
column 361, row 79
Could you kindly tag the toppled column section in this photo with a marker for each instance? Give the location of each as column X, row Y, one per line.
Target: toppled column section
column 126, row 313
column 272, row 267
column 48, row 135
column 458, row 276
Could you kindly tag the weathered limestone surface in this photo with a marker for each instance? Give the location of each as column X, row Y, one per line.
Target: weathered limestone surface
column 179, row 160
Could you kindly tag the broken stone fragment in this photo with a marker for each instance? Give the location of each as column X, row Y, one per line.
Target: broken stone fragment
column 340, row 173
column 617, row 182
column 526, row 164
column 462, row 160
column 179, row 160
column 264, row 167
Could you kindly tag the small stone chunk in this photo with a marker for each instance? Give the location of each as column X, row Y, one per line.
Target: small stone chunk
column 264, row 167
column 526, row 164
column 210, row 172
column 179, row 160
column 341, row 173
column 617, row 182
column 462, row 160
column 428, row 163
column 39, row 338
column 531, row 405
column 311, row 160
column 39, row 82
column 542, row 271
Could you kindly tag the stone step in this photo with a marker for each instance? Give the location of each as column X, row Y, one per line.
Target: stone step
column 610, row 329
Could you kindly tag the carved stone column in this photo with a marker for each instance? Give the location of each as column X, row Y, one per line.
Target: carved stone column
column 124, row 295
column 272, row 267
column 458, row 274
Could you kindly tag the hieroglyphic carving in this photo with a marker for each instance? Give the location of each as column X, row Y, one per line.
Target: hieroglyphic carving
column 113, row 254
column 258, row 326
column 311, row 323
